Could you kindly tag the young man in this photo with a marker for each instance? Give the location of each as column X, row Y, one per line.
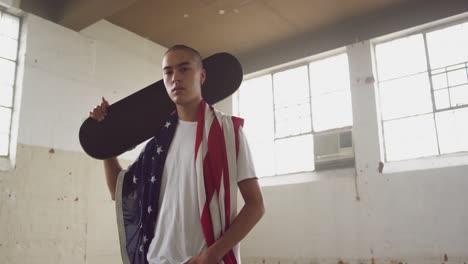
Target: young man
column 177, row 203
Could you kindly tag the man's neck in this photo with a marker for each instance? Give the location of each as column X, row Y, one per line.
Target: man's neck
column 188, row 112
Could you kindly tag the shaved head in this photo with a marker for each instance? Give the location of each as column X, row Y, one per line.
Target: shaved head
column 195, row 54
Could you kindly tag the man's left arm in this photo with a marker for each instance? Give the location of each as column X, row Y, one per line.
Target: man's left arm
column 247, row 218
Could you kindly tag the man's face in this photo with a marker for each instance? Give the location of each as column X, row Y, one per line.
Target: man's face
column 183, row 77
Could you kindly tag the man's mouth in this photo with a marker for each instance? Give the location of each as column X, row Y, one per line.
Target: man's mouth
column 177, row 88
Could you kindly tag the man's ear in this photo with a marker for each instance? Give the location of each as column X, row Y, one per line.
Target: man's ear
column 203, row 76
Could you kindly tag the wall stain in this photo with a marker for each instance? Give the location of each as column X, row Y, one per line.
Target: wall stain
column 62, row 198
column 369, row 80
column 11, row 195
column 381, row 166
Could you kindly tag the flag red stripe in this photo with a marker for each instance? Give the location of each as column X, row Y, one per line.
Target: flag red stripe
column 217, row 150
column 207, row 225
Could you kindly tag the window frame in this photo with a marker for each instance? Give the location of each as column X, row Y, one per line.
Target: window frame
column 7, row 162
column 288, row 66
column 291, row 67
column 423, row 30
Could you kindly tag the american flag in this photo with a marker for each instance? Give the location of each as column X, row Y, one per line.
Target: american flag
column 138, row 192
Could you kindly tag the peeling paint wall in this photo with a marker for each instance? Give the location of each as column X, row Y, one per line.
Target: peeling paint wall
column 55, row 208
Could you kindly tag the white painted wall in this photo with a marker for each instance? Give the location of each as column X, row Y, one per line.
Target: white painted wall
column 55, row 208
column 66, row 73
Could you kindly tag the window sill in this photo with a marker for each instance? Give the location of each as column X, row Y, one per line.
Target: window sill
column 5, row 164
column 427, row 163
column 303, row 177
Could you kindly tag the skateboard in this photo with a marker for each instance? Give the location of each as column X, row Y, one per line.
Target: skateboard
column 139, row 116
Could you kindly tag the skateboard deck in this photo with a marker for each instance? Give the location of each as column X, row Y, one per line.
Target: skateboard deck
column 139, row 116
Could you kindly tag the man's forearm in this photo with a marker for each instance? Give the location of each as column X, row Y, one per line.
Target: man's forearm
column 247, row 218
column 112, row 169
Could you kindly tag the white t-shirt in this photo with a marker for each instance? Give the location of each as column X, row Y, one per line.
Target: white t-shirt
column 178, row 233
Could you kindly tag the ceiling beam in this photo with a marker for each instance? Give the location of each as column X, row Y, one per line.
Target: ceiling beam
column 74, row 14
column 79, row 14
column 47, row 9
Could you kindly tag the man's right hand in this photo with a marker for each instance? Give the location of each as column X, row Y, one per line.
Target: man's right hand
column 100, row 111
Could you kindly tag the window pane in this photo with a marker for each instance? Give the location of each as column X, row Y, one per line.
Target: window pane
column 332, row 111
column 8, row 48
column 393, row 57
column 294, row 154
column 442, row 99
column 4, row 144
column 329, row 75
column 9, row 26
column 409, row 138
column 439, row 81
column 448, row 46
column 437, row 71
column 291, row 97
column 405, row 97
column 5, row 120
column 330, row 91
column 7, row 72
column 457, row 77
column 291, row 86
column 455, row 67
column 293, row 120
column 6, row 95
column 256, row 106
column 452, row 128
column 459, row 95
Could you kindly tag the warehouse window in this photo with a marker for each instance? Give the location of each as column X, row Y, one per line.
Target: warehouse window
column 9, row 41
column 423, row 87
column 289, row 109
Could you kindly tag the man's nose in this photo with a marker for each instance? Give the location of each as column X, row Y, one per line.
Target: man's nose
column 176, row 76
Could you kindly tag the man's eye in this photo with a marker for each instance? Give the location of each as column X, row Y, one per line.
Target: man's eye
column 167, row 73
